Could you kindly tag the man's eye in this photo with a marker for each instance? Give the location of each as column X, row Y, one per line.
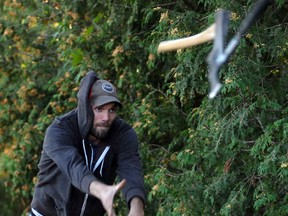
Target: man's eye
column 98, row 109
column 113, row 110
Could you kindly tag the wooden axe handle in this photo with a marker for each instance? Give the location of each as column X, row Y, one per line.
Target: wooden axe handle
column 202, row 37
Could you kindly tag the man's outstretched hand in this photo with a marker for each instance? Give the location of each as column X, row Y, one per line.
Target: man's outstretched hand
column 106, row 194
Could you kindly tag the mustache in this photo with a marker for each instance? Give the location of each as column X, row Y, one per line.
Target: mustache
column 104, row 124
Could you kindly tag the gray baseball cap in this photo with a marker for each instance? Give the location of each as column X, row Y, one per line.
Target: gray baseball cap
column 104, row 92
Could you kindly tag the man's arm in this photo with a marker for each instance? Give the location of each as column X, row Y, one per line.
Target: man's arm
column 130, row 166
column 106, row 194
column 136, row 207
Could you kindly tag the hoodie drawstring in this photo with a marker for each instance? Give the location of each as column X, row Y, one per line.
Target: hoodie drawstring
column 100, row 160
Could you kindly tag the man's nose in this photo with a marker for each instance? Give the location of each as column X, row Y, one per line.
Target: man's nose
column 105, row 116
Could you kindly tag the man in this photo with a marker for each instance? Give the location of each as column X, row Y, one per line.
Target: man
column 83, row 151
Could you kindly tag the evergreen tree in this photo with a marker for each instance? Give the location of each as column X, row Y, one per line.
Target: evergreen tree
column 226, row 156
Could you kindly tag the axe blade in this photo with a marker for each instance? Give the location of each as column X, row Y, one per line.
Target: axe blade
column 218, row 56
column 215, row 58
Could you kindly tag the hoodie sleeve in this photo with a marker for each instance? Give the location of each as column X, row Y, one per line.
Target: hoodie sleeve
column 130, row 166
column 60, row 145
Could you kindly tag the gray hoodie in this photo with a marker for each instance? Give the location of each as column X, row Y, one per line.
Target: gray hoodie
column 67, row 161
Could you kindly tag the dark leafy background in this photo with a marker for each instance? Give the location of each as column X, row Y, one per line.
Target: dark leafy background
column 226, row 156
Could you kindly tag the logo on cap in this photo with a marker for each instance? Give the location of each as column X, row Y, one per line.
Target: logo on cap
column 107, row 88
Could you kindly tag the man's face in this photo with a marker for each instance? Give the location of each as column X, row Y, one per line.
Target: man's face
column 103, row 118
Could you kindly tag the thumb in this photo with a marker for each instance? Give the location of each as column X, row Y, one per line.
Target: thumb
column 121, row 184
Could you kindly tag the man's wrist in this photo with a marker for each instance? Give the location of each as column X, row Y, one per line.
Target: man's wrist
column 96, row 188
column 137, row 206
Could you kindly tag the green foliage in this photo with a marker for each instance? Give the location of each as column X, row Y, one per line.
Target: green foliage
column 226, row 156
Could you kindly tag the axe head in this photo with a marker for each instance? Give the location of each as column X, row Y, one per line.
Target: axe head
column 216, row 57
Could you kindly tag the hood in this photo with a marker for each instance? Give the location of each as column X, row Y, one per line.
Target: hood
column 84, row 109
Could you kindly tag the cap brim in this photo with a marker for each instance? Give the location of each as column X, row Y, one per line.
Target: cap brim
column 101, row 100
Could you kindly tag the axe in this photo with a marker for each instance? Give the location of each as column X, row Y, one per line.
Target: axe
column 218, row 31
column 218, row 56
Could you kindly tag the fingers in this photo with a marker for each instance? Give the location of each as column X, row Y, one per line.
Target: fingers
column 108, row 201
column 108, row 197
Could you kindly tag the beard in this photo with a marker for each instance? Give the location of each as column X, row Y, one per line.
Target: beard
column 100, row 131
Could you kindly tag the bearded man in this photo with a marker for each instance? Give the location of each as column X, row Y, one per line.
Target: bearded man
column 83, row 152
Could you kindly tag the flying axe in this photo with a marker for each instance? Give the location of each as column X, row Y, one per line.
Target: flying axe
column 218, row 31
